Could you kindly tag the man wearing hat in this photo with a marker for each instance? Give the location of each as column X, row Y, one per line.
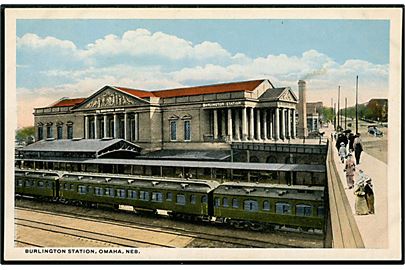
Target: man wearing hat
column 350, row 168
column 342, row 152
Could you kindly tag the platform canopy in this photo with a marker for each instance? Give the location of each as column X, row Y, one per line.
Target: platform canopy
column 81, row 149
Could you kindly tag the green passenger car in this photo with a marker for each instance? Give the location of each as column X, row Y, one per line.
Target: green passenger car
column 36, row 183
column 145, row 193
column 256, row 205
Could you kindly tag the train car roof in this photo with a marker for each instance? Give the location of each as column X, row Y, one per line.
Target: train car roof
column 203, row 164
column 141, row 181
column 296, row 192
column 43, row 174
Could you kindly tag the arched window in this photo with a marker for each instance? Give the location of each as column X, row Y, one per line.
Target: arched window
column 266, row 205
column 204, row 199
column 271, row 159
column 283, row 208
column 169, row 196
column 180, row 199
column 217, row 202
column 192, row 199
column 303, row 210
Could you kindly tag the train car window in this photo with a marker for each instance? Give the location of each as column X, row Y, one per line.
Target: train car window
column 121, row 193
column 41, row 184
column 192, row 199
column 181, row 199
column 217, row 202
column 169, row 196
column 50, row 184
column 82, row 189
column 109, row 192
column 283, row 208
column 235, row 203
column 266, row 205
column 157, row 197
column 99, row 191
column 144, row 195
column 320, row 211
column 132, row 194
column 66, row 185
column 72, row 187
column 225, row 202
column 20, row 183
column 251, row 205
column 303, row 210
column 204, row 199
column 28, row 183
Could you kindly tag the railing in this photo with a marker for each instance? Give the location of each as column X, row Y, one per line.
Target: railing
column 343, row 230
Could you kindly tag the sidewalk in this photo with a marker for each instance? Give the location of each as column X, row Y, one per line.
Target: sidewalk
column 373, row 228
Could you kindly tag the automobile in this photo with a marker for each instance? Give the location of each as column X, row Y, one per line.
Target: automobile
column 373, row 130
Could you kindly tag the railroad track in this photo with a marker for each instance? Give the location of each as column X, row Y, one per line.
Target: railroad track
column 234, row 241
column 84, row 234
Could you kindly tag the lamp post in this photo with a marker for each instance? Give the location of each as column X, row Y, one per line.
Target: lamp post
column 357, row 101
column 338, row 110
column 345, row 113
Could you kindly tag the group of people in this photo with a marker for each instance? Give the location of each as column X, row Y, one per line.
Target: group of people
column 363, row 188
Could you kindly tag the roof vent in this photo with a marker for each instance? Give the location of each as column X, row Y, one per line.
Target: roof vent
column 154, row 183
column 80, row 177
column 282, row 192
column 26, row 173
column 130, row 181
column 249, row 190
column 267, row 190
column 107, row 179
column 183, row 185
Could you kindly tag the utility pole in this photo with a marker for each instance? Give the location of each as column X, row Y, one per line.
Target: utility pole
column 345, row 113
column 334, row 114
column 357, row 102
column 338, row 111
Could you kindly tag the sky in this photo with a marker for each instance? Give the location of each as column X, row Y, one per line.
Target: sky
column 75, row 58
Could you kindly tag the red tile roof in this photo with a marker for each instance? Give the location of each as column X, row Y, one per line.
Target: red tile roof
column 68, row 102
column 196, row 90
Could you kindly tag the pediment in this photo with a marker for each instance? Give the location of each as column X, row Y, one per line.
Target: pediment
column 109, row 98
column 287, row 95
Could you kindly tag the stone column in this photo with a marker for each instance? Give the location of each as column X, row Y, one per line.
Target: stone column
column 244, row 124
column 125, row 126
column 289, row 123
column 283, row 123
column 223, row 123
column 265, row 125
column 237, row 125
column 271, row 123
column 215, row 124
column 105, row 126
column 95, row 127
column 230, row 135
column 294, row 128
column 136, row 128
column 258, row 126
column 115, row 125
column 86, row 126
column 276, row 125
column 252, row 131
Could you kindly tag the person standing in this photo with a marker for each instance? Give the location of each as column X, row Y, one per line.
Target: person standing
column 368, row 189
column 351, row 141
column 350, row 168
column 358, row 148
column 360, row 204
column 342, row 152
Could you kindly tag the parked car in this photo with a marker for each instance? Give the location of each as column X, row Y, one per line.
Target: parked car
column 373, row 130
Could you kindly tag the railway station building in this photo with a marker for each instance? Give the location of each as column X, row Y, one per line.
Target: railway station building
column 202, row 117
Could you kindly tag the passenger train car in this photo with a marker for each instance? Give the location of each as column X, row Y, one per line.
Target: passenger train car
column 240, row 204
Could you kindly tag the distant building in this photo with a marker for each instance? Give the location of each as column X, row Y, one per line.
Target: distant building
column 313, row 115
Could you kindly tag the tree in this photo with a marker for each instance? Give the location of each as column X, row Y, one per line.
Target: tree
column 327, row 113
column 23, row 134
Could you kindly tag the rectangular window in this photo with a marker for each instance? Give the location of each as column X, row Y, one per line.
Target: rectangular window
column 320, row 211
column 99, row 191
column 303, row 210
column 28, row 183
column 82, row 189
column 192, row 199
column 40, row 133
column 283, row 208
column 169, row 196
column 132, row 194
column 217, row 202
column 60, row 133
column 157, row 197
column 121, row 193
column 173, row 130
column 109, row 192
column 49, row 132
column 41, row 184
column 235, row 203
column 20, row 183
column 181, row 199
column 251, row 206
column 70, row 132
column 144, row 195
column 187, row 130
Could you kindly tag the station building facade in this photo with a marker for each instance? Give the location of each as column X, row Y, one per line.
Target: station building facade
column 201, row 117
